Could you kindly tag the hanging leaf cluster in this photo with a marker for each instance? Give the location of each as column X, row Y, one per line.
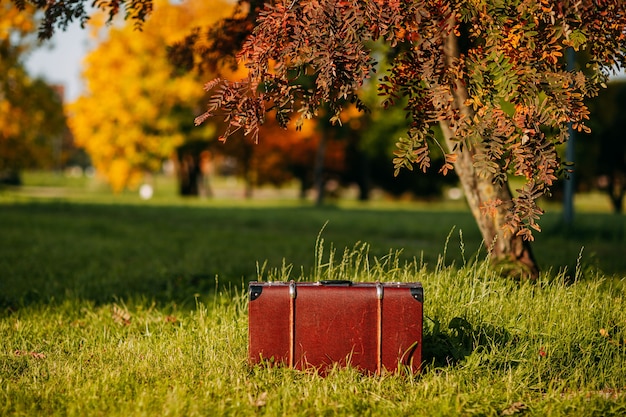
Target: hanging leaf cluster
column 305, row 54
column 60, row 14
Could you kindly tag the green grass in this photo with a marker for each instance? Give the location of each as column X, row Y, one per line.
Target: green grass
column 116, row 307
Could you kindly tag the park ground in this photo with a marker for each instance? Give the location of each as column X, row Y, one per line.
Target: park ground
column 114, row 305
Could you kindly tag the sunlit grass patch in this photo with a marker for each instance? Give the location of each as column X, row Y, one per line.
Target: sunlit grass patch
column 142, row 310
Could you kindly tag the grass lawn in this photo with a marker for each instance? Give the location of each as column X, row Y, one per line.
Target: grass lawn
column 113, row 306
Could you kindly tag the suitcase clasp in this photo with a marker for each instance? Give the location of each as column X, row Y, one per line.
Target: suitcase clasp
column 379, row 290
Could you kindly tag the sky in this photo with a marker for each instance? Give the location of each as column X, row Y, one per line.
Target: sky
column 59, row 60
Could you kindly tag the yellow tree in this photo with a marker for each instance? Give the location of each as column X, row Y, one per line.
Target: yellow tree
column 31, row 113
column 138, row 107
column 15, row 26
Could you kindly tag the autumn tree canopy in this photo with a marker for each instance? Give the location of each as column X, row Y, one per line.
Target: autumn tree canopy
column 508, row 58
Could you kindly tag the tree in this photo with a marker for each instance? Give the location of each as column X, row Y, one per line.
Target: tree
column 32, row 121
column 601, row 156
column 279, row 156
column 137, row 109
column 490, row 73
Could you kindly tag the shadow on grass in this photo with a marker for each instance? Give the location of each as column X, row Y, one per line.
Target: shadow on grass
column 51, row 251
column 180, row 290
column 56, row 250
column 450, row 346
column 593, row 244
column 590, row 227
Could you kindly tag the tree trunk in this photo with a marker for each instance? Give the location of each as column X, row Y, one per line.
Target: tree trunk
column 189, row 175
column 318, row 173
column 189, row 169
column 363, row 180
column 10, row 177
column 616, row 190
column 357, row 170
column 507, row 250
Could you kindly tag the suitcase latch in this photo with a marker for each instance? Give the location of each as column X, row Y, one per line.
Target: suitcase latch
column 379, row 290
column 255, row 292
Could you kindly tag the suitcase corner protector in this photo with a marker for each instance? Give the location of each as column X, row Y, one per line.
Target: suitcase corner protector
column 254, row 291
column 418, row 293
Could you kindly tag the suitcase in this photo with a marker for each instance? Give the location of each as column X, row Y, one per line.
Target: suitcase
column 374, row 327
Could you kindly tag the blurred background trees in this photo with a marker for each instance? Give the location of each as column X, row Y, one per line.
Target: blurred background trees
column 33, row 131
column 137, row 108
column 601, row 155
column 143, row 92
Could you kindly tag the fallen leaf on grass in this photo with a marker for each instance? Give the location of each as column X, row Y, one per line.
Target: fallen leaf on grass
column 260, row 401
column 121, row 316
column 608, row 393
column 516, row 407
column 36, row 355
column 604, row 333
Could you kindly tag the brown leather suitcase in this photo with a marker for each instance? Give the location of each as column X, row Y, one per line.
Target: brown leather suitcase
column 305, row 325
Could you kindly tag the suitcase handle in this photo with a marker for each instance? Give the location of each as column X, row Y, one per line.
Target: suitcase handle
column 336, row 282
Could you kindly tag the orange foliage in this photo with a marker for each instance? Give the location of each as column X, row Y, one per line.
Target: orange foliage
column 31, row 115
column 14, row 26
column 14, row 22
column 282, row 155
